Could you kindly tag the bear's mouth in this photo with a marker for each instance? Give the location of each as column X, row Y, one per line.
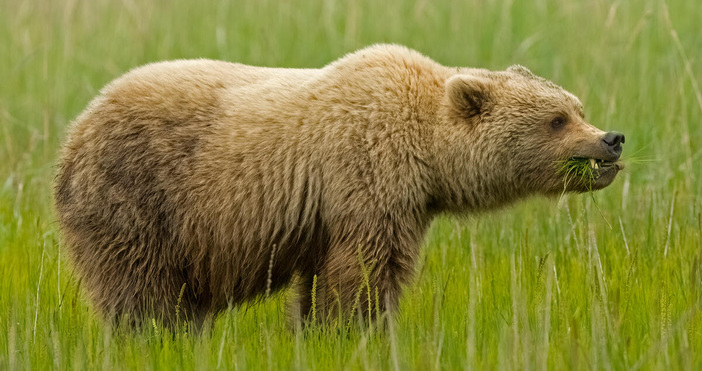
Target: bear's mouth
column 582, row 174
column 599, row 165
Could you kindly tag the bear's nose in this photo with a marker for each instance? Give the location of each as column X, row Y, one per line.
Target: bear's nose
column 613, row 143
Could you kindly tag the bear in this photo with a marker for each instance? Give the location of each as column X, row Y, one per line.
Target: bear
column 189, row 186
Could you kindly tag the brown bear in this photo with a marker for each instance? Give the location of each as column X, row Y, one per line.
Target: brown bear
column 189, row 186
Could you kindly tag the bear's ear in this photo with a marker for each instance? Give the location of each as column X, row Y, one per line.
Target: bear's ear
column 469, row 96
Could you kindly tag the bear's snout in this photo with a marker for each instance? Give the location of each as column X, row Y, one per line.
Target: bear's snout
column 612, row 142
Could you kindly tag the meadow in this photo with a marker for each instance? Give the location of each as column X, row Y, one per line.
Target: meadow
column 610, row 280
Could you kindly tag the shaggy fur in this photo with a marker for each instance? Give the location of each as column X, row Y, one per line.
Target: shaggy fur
column 183, row 181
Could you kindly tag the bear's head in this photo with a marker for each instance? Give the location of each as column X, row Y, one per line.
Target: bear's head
column 514, row 133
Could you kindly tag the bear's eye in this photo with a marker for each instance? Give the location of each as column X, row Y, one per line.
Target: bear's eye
column 558, row 122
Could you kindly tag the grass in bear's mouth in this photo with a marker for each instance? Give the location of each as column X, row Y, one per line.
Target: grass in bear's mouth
column 584, row 170
column 579, row 169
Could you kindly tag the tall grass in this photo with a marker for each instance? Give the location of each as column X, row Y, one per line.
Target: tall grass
column 546, row 284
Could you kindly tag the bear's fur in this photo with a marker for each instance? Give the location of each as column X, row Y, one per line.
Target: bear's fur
column 201, row 184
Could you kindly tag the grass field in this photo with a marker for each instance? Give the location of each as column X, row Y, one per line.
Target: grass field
column 609, row 281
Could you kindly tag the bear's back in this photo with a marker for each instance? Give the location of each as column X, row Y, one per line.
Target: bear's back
column 183, row 87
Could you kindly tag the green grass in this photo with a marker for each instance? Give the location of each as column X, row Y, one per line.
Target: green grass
column 577, row 169
column 613, row 282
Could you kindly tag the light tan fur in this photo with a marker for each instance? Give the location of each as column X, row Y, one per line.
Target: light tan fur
column 188, row 174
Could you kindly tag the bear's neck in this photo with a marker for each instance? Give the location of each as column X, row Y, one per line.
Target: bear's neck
column 470, row 173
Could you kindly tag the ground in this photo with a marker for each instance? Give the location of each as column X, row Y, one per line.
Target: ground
column 610, row 280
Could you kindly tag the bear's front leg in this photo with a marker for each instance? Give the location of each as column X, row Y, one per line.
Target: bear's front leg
column 359, row 279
